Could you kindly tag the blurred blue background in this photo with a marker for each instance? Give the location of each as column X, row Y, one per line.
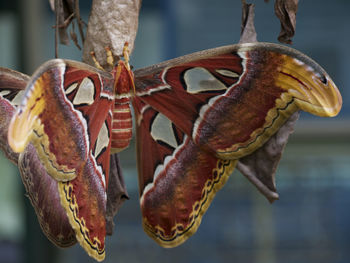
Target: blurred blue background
column 310, row 222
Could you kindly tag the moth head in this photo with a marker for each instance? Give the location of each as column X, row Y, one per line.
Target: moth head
column 123, row 79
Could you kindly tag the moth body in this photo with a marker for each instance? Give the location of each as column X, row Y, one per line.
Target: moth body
column 122, row 119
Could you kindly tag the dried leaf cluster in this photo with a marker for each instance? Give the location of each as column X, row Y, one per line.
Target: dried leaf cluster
column 286, row 11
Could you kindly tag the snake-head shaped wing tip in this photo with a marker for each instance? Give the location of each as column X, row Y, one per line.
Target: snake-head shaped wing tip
column 331, row 102
column 312, row 88
column 25, row 120
column 334, row 101
column 20, row 129
column 47, row 118
column 317, row 94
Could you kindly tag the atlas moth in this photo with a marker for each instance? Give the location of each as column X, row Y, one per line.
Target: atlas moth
column 195, row 116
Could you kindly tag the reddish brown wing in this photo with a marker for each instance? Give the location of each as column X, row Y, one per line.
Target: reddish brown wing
column 41, row 188
column 67, row 114
column 12, row 84
column 195, row 112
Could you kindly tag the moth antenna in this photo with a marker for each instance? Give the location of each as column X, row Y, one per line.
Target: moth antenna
column 126, row 52
column 110, row 59
column 97, row 64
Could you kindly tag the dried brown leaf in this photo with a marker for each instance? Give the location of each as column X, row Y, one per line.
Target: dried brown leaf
column 64, row 11
column 116, row 193
column 260, row 167
column 67, row 12
column 248, row 33
column 286, row 11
